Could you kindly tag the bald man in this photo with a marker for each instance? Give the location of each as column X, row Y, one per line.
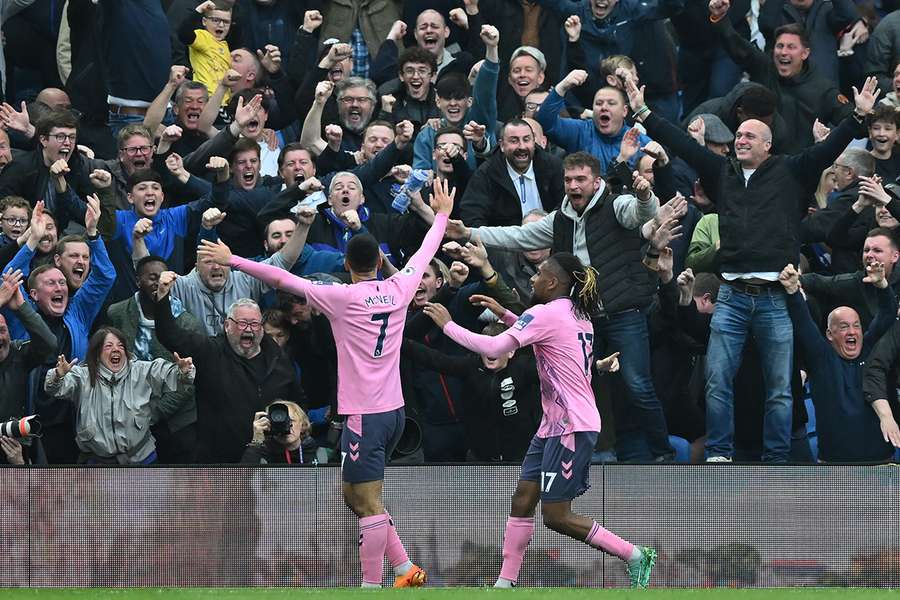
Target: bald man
column 760, row 199
column 848, row 429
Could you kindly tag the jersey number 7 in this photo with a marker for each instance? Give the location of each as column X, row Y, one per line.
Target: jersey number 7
column 379, row 344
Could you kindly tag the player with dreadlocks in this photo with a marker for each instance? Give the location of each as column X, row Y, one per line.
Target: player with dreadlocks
column 556, row 468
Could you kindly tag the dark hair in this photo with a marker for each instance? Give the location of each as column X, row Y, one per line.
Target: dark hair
column 453, row 86
column 415, row 54
column 584, row 293
column 889, row 234
column 139, row 267
column 95, row 347
column 276, row 318
column 142, row 175
column 706, row 283
column 362, row 253
column 757, row 101
column 248, row 95
column 55, row 118
column 32, row 278
column 514, row 122
column 583, row 159
column 70, row 239
column 884, row 113
column 494, row 328
column 446, row 130
column 793, row 29
column 243, row 145
column 293, row 147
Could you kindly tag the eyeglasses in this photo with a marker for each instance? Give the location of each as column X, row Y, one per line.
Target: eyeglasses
column 356, row 99
column 62, row 137
column 532, row 105
column 423, row 72
column 14, row 221
column 218, row 20
column 243, row 324
column 836, row 165
column 447, row 146
column 134, row 150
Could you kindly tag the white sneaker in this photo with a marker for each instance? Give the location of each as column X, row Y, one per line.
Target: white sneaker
column 718, row 459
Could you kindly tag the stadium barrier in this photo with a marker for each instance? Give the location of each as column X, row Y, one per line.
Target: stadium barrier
column 727, row 525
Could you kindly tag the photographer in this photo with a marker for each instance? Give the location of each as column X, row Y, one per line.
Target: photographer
column 17, row 359
column 281, row 435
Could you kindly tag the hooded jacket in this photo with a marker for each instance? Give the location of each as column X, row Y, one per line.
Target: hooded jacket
column 113, row 415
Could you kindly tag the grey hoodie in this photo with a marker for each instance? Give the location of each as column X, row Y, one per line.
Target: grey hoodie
column 630, row 212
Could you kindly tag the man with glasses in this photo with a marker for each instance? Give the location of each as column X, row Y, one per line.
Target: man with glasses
column 411, row 95
column 15, row 213
column 238, row 374
column 521, row 178
column 136, row 151
column 356, row 105
column 29, row 175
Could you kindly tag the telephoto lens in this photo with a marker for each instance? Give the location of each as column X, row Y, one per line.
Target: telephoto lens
column 19, row 428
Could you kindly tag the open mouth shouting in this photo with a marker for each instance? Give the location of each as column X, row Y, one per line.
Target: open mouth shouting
column 64, row 152
column 344, row 201
column 248, row 179
column 247, row 340
column 454, row 113
column 116, row 360
column 604, row 121
column 421, row 296
column 252, row 129
column 354, row 118
column 58, row 303
column 192, row 118
column 601, row 8
column 150, row 206
column 79, row 272
column 336, row 73
column 430, row 41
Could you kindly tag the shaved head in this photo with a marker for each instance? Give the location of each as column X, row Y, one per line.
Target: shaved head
column 752, row 143
column 844, row 332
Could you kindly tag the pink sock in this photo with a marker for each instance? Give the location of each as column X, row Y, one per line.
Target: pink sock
column 606, row 540
column 516, row 539
column 373, row 535
column 394, row 549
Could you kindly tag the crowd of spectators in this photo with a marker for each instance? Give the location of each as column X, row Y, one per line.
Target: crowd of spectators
column 731, row 172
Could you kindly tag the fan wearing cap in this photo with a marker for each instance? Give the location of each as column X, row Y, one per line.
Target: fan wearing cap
column 527, row 68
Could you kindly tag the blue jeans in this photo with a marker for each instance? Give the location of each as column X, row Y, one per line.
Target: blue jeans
column 626, row 332
column 766, row 317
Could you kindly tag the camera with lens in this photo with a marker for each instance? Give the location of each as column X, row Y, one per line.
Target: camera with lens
column 279, row 419
column 21, row 428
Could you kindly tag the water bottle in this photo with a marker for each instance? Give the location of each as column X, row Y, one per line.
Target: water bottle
column 416, row 181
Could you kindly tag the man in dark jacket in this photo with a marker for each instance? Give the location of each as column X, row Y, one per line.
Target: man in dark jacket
column 848, row 430
column 513, row 182
column 849, row 289
column 804, row 95
column 19, row 357
column 824, row 22
column 760, row 202
column 852, row 164
column 238, row 374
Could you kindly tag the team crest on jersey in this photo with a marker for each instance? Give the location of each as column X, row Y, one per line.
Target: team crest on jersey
column 408, row 270
column 523, row 322
column 322, row 282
